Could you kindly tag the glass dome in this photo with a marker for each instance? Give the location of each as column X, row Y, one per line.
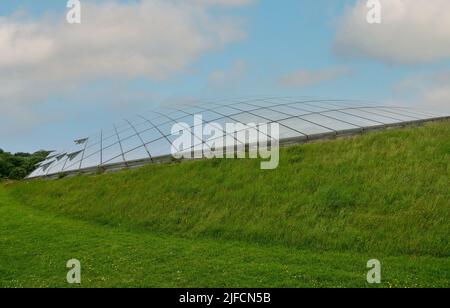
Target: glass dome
column 147, row 137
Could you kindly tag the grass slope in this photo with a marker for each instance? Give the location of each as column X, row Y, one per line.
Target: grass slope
column 35, row 246
column 315, row 221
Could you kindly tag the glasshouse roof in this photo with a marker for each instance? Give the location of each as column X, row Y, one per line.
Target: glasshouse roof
column 147, row 137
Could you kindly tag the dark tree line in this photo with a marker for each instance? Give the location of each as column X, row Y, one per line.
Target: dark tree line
column 18, row 166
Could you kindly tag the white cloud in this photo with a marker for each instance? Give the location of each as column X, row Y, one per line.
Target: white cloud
column 308, row 78
column 228, row 77
column 412, row 31
column 223, row 2
column 16, row 42
column 431, row 91
column 155, row 39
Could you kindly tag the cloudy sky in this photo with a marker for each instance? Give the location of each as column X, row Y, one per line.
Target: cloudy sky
column 60, row 82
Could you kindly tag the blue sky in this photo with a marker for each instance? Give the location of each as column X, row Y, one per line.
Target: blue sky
column 239, row 48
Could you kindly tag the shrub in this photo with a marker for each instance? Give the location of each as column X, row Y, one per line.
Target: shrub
column 18, row 173
column 17, row 166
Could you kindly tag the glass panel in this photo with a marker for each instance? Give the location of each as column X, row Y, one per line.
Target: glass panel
column 371, row 116
column 127, row 133
column 268, row 102
column 352, row 119
column 72, row 166
column 189, row 120
column 354, row 103
column 308, row 107
column 150, row 135
column 137, row 154
column 161, row 120
column 91, row 161
column 271, row 114
column 290, row 110
column 131, row 143
column 408, row 113
column 296, row 99
column 226, row 111
column 328, row 122
column 108, row 133
column 150, row 115
column 287, row 133
column 434, row 113
column 174, row 114
column 93, row 149
column 246, row 118
column 110, row 141
column 122, row 125
column 159, row 148
column 246, row 107
column 35, row 173
column 143, row 126
column 111, row 152
column 413, row 113
column 193, row 110
column 422, row 114
column 304, row 127
column 54, row 168
column 114, row 160
column 393, row 114
column 166, row 129
column 209, row 116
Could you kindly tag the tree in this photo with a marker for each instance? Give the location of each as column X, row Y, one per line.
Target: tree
column 19, row 165
column 18, row 173
column 20, row 154
column 5, row 168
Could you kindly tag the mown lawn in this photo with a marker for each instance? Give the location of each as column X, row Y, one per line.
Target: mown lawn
column 315, row 221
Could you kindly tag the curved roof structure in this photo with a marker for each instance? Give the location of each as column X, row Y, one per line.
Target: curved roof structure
column 147, row 138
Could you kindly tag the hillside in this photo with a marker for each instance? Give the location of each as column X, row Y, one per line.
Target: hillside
column 314, row 221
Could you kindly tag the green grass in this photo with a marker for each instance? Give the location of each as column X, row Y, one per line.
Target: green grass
column 315, row 221
column 36, row 245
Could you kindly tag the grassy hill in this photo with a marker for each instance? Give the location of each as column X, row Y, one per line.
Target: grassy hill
column 315, row 221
